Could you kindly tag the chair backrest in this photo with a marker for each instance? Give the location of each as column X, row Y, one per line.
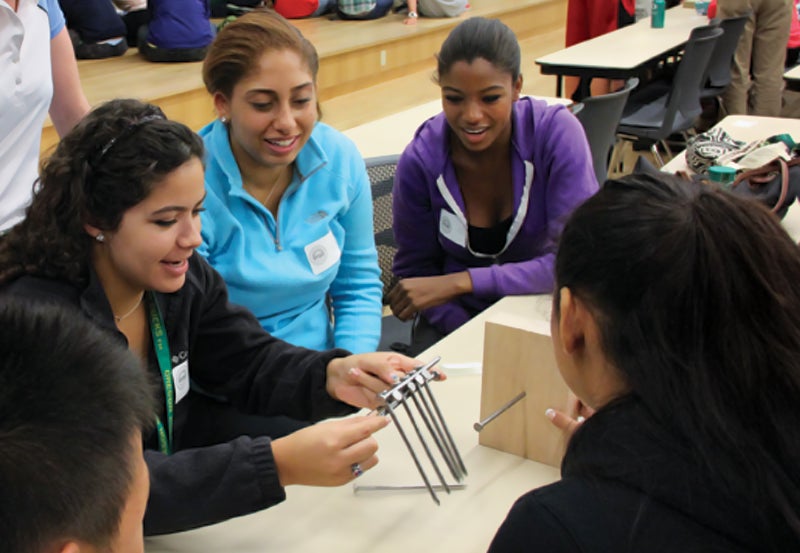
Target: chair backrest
column 719, row 66
column 381, row 177
column 683, row 105
column 599, row 117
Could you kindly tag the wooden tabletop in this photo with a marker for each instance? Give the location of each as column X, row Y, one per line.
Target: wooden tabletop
column 338, row 519
column 792, row 78
column 622, row 52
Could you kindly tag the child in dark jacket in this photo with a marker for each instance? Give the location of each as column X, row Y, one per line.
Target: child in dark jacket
column 179, row 30
column 96, row 29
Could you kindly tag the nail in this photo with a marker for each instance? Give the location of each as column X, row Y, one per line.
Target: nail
column 550, row 414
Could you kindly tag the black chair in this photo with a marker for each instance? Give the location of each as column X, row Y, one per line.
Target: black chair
column 599, row 117
column 661, row 108
column 395, row 334
column 718, row 76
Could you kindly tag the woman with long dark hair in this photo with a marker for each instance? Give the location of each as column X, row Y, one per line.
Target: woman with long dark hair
column 677, row 318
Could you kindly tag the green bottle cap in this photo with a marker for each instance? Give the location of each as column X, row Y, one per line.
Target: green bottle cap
column 721, row 174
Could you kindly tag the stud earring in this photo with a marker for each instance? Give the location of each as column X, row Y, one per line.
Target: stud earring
column 223, row 119
column 100, row 237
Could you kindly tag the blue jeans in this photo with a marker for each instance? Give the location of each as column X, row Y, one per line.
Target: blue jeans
column 381, row 8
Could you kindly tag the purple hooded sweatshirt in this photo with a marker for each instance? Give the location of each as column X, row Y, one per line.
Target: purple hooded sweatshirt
column 552, row 174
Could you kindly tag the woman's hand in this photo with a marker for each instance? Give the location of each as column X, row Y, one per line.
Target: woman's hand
column 358, row 379
column 415, row 294
column 569, row 422
column 324, row 454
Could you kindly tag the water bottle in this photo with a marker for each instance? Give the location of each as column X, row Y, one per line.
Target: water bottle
column 657, row 15
column 643, row 8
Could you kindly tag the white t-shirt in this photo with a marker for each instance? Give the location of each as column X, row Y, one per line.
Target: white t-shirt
column 26, row 89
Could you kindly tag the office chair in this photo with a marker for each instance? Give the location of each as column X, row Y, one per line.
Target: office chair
column 394, row 333
column 660, row 108
column 599, row 117
column 719, row 66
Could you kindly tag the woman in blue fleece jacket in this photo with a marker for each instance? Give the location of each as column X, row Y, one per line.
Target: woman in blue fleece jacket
column 289, row 209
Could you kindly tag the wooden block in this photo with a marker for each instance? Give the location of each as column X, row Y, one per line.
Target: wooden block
column 515, row 359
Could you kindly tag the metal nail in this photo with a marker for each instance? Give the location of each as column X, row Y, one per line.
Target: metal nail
column 478, row 426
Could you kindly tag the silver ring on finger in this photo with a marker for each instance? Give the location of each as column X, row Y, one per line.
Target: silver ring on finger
column 356, row 469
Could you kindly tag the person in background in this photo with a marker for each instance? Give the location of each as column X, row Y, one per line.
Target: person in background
column 434, row 8
column 677, row 318
column 793, row 46
column 134, row 15
column 38, row 75
column 96, row 29
column 758, row 65
column 589, row 19
column 363, row 9
column 177, row 31
column 483, row 189
column 111, row 233
column 288, row 220
column 71, row 420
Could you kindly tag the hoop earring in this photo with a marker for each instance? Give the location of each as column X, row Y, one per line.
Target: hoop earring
column 100, row 237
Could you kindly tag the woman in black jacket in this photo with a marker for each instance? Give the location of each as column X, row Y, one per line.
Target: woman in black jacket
column 112, row 232
column 677, row 318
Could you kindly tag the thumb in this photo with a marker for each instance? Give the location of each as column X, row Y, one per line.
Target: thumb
column 562, row 421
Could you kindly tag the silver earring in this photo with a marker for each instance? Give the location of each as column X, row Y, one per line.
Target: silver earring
column 100, row 237
column 223, row 119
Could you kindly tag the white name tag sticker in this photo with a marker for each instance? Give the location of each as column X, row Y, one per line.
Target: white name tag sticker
column 451, row 228
column 323, row 254
column 180, row 379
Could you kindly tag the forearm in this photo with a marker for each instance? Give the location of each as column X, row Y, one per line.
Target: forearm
column 198, row 487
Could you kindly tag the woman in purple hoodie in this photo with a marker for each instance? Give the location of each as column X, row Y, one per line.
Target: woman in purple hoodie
column 482, row 191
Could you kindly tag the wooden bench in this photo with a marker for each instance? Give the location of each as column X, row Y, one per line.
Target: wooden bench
column 353, row 55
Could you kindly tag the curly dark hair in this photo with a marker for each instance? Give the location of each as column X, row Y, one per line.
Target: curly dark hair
column 107, row 164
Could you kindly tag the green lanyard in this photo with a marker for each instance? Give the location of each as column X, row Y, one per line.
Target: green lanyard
column 165, row 366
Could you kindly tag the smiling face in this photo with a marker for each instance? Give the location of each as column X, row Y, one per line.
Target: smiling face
column 151, row 247
column 477, row 99
column 272, row 111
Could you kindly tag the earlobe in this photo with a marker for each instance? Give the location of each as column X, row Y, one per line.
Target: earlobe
column 518, row 87
column 221, row 105
column 70, row 547
column 92, row 231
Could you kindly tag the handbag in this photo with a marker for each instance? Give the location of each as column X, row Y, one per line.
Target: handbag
column 766, row 170
column 775, row 184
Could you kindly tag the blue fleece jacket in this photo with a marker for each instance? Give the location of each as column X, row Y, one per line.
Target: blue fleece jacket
column 311, row 277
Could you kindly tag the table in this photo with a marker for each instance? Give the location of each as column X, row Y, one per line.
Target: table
column 335, row 519
column 792, row 78
column 748, row 128
column 390, row 135
column 624, row 52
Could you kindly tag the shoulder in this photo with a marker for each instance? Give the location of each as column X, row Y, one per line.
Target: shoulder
column 333, row 142
column 30, row 288
column 54, row 14
column 532, row 519
column 541, row 116
column 428, row 149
